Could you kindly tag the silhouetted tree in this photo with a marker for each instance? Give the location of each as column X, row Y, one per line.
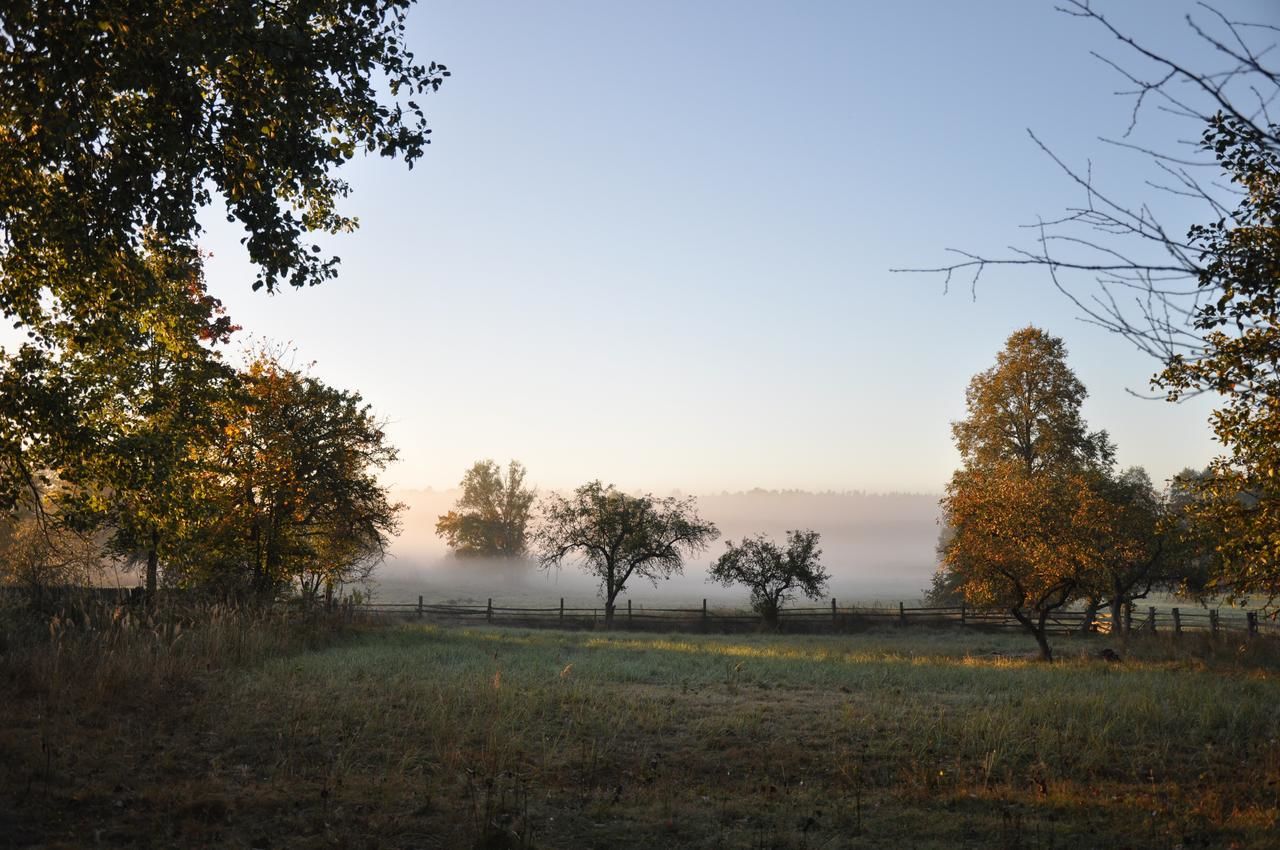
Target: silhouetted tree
column 773, row 574
column 616, row 537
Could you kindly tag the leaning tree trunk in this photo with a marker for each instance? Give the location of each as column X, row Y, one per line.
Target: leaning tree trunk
column 1037, row 629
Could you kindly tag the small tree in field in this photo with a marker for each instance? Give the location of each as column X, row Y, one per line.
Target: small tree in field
column 616, row 536
column 773, row 574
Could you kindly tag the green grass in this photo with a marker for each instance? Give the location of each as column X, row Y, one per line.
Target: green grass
column 415, row 736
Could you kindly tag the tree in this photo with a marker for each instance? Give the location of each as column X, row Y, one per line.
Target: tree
column 117, row 118
column 491, row 517
column 120, row 122
column 36, row 555
column 149, row 389
column 1137, row 553
column 294, row 488
column 771, row 573
column 1025, row 543
column 1240, row 361
column 1203, row 303
column 617, row 537
column 1027, row 408
column 1024, row 510
column 1122, row 266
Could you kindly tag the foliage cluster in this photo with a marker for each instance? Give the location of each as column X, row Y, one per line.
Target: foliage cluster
column 250, row 482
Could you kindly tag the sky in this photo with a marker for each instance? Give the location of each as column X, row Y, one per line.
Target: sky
column 650, row 242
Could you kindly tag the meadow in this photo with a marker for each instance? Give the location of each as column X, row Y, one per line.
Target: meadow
column 262, row 735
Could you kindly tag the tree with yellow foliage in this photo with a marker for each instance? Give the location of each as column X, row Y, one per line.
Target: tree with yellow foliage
column 1026, row 511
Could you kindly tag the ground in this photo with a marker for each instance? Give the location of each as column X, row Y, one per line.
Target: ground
column 420, row 736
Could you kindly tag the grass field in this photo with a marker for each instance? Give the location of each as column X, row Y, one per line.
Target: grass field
column 417, row 736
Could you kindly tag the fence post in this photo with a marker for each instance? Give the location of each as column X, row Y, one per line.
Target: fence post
column 1213, row 622
column 834, row 617
column 419, row 606
column 704, row 615
column 1177, row 622
column 488, row 614
column 628, row 613
column 1251, row 618
column 902, row 614
column 562, row 612
column 962, row 613
column 1151, row 614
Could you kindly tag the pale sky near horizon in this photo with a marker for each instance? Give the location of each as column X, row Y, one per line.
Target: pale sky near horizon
column 650, row 242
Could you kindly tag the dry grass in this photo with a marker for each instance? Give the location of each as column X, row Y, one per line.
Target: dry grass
column 424, row 737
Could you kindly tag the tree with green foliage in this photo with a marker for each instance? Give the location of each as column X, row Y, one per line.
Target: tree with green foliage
column 117, row 118
column 1239, row 501
column 616, row 536
column 773, row 574
column 147, row 410
column 491, row 517
column 121, row 122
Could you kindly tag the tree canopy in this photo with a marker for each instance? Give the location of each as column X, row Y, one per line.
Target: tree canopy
column 117, row 118
column 1026, row 408
column 1240, row 361
column 491, row 517
column 771, row 573
column 616, row 536
column 293, row 486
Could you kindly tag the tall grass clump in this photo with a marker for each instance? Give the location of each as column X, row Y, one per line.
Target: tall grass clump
column 86, row 648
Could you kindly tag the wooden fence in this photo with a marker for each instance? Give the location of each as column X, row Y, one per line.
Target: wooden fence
column 823, row 620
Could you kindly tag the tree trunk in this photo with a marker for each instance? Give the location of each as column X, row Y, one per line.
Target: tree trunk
column 1036, row 627
column 770, row 613
column 153, row 566
column 1090, row 616
column 1118, row 624
column 608, row 614
column 1042, row 639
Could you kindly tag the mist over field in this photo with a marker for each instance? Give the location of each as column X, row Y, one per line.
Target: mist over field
column 877, row 547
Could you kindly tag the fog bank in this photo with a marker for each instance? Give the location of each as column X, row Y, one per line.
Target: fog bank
column 875, row 546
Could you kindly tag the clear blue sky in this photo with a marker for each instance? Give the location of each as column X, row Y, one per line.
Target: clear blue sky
column 650, row 242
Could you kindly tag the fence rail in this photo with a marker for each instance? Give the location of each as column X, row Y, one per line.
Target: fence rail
column 828, row 619
column 831, row 618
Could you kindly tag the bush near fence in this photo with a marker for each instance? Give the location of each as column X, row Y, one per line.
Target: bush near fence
column 832, row 619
